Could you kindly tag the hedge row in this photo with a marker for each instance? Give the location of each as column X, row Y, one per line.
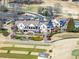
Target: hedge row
column 4, row 32
column 37, row 38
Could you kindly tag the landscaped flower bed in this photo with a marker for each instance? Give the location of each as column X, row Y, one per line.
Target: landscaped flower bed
column 37, row 38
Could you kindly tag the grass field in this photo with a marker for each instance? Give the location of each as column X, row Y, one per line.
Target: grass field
column 23, row 44
column 20, row 56
column 23, row 49
column 30, row 8
column 17, row 56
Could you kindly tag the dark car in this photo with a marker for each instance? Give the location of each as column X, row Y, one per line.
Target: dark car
column 27, row 1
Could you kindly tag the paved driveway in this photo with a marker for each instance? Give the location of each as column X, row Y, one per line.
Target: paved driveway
column 62, row 49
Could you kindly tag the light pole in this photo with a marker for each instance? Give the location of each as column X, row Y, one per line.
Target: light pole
column 44, row 30
column 45, row 36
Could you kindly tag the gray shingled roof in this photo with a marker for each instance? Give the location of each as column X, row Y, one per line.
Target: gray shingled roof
column 25, row 17
column 28, row 22
column 7, row 14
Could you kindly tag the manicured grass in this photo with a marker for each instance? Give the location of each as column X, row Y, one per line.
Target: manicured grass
column 26, row 44
column 20, row 56
column 31, row 8
column 37, row 38
column 17, row 56
column 23, row 49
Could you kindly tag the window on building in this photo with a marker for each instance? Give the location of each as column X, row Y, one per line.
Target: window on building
column 32, row 28
column 36, row 27
column 29, row 28
column 25, row 30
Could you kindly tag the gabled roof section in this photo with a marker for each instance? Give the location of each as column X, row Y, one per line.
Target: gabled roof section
column 50, row 25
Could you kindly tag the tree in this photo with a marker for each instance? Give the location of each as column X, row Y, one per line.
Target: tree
column 20, row 12
column 3, row 8
column 13, row 36
column 40, row 10
column 14, row 28
column 75, row 53
column 58, row 8
column 1, row 25
column 70, row 25
column 6, row 33
column 48, row 11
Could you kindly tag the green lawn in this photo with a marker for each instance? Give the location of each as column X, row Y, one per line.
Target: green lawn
column 20, row 56
column 17, row 56
column 23, row 44
column 23, row 49
column 30, row 8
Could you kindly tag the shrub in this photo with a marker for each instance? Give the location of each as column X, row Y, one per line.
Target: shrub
column 6, row 33
column 3, row 8
column 13, row 36
column 76, row 30
column 40, row 9
column 20, row 37
column 20, row 12
column 3, row 30
column 37, row 38
column 75, row 53
column 17, row 37
column 48, row 11
column 14, row 28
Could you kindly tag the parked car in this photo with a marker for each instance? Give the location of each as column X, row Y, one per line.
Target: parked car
column 27, row 1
